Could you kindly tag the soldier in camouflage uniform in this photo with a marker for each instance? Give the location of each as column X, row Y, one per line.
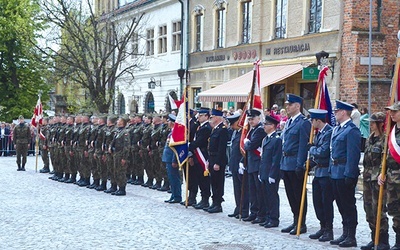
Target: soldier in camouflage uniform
column 53, row 145
column 92, row 159
column 372, row 161
column 120, row 148
column 392, row 179
column 75, row 159
column 22, row 138
column 161, row 144
column 155, row 151
column 61, row 150
column 130, row 175
column 70, row 175
column 110, row 133
column 137, row 133
column 43, row 144
column 99, row 151
column 144, row 144
column 83, row 137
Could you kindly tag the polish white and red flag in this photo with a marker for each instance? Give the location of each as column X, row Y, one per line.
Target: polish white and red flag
column 394, row 147
column 37, row 114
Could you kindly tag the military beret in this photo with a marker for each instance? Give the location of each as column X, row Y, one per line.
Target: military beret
column 318, row 114
column 343, row 105
column 291, row 98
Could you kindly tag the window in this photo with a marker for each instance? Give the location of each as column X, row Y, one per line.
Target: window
column 198, row 32
column 176, row 36
column 379, row 12
column 307, row 92
column 150, row 42
column 162, row 39
column 277, row 95
column 135, row 44
column 315, row 16
column 121, row 104
column 220, row 28
column 246, row 22
column 280, row 21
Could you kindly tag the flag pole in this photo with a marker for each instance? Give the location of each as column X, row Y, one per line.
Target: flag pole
column 304, row 190
column 244, row 153
column 187, row 139
column 37, row 137
column 385, row 148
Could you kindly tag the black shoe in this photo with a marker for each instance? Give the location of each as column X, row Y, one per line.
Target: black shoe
column 232, row 215
column 243, row 216
column 250, row 218
column 110, row 190
column 215, row 209
column 369, row 246
column 316, row 235
column 169, row 191
column 258, row 221
column 167, row 201
column 271, row 225
column 44, row 170
column 303, row 230
column 19, row 169
column 338, row 240
column 202, row 204
column 190, row 202
column 348, row 242
column 51, row 172
column 119, row 193
column 327, row 236
column 288, row 229
column 174, row 201
column 208, row 207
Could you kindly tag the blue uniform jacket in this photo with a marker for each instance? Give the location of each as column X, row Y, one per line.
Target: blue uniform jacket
column 235, row 156
column 256, row 136
column 168, row 155
column 271, row 158
column 345, row 151
column 320, row 153
column 217, row 146
column 295, row 138
column 201, row 140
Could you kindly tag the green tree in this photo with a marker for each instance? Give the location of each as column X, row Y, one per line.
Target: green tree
column 91, row 50
column 21, row 68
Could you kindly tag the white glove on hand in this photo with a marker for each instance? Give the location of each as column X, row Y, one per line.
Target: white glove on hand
column 259, row 178
column 270, row 180
column 245, row 140
column 241, row 168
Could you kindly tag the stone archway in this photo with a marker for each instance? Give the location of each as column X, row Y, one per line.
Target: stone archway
column 149, row 103
column 121, row 104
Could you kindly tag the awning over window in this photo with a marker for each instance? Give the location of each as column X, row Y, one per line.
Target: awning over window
column 237, row 90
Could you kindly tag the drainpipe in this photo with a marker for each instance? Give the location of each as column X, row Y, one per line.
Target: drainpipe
column 181, row 70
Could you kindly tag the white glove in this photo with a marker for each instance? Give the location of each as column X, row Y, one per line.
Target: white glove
column 259, row 178
column 241, row 168
column 245, row 140
column 271, row 180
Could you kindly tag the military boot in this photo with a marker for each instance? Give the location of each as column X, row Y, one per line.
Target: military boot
column 318, row 234
column 23, row 167
column 19, row 167
column 350, row 240
column 121, row 191
column 139, row 180
column 165, row 186
column 95, row 184
column 397, row 245
column 79, row 181
column 102, row 187
column 328, row 234
column 129, row 179
column 85, row 182
column 157, row 185
column 370, row 245
column 65, row 178
column 44, row 170
column 149, row 183
column 71, row 179
column 112, row 189
column 341, row 238
column 53, row 176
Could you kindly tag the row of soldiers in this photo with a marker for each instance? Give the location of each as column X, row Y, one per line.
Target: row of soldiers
column 112, row 148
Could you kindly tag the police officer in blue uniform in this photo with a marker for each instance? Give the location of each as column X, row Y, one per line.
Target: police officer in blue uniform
column 234, row 161
column 217, row 159
column 321, row 186
column 344, row 171
column 198, row 160
column 252, row 145
column 295, row 138
column 270, row 171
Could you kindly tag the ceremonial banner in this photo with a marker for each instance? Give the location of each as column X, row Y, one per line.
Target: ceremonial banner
column 179, row 138
column 324, row 101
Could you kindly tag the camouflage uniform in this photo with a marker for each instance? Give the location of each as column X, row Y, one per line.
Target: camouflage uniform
column 52, row 148
column 75, row 159
column 372, row 161
column 22, row 137
column 92, row 160
column 144, row 152
column 120, row 146
column 155, row 155
column 161, row 144
column 84, row 133
column 109, row 173
column 44, row 150
column 100, row 156
column 130, row 175
column 61, row 153
column 68, row 150
column 138, row 169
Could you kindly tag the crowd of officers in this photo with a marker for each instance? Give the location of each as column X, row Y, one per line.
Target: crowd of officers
column 119, row 150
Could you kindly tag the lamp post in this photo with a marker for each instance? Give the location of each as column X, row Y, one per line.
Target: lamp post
column 181, row 74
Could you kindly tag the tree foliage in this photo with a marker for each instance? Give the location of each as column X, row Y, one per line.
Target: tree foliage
column 91, row 50
column 21, row 68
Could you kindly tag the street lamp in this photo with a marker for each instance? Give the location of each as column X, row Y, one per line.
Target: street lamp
column 153, row 83
column 322, row 61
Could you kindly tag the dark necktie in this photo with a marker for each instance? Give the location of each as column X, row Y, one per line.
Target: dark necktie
column 290, row 122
